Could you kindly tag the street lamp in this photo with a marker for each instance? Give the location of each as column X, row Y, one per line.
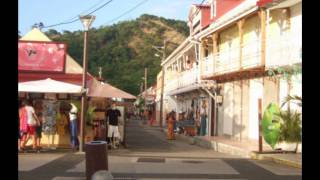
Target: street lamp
column 86, row 21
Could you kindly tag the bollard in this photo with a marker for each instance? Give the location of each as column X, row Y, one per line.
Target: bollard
column 96, row 157
column 102, row 175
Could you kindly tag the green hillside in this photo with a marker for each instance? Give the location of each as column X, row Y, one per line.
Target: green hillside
column 124, row 49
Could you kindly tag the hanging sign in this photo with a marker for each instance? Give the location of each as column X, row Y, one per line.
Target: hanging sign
column 41, row 56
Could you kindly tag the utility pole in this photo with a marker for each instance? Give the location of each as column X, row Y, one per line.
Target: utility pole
column 162, row 84
column 145, row 89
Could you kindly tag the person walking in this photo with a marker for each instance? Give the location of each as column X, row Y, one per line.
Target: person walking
column 22, row 125
column 203, row 119
column 171, row 122
column 73, row 127
column 32, row 121
column 39, row 131
column 113, row 130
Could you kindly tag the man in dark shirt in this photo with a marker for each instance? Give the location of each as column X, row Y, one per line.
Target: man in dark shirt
column 112, row 116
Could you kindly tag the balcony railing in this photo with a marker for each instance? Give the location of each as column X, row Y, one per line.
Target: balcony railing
column 207, row 66
column 183, row 79
column 228, row 60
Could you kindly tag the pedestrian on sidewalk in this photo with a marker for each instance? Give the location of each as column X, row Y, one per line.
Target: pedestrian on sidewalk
column 73, row 127
column 113, row 130
column 32, row 121
column 170, row 121
column 203, row 118
column 151, row 119
column 39, row 131
column 22, row 125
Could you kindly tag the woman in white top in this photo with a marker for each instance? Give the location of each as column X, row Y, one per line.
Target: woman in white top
column 73, row 127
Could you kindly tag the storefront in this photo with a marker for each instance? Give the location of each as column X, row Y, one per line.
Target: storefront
column 188, row 105
column 52, row 79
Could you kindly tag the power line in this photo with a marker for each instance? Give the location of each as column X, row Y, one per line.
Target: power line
column 70, row 19
column 136, row 6
column 69, row 22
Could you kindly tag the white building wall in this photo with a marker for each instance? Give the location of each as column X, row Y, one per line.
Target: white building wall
column 256, row 92
column 228, row 105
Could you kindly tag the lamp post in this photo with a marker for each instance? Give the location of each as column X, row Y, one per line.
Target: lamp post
column 162, row 78
column 86, row 21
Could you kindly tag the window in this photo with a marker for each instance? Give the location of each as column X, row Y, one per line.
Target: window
column 213, row 8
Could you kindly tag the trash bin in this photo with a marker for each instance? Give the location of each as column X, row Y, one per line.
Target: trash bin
column 96, row 157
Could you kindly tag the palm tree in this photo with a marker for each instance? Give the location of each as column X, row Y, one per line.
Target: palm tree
column 290, row 127
column 293, row 99
column 290, row 122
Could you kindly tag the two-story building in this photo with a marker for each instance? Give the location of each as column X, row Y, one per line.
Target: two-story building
column 239, row 49
column 235, row 44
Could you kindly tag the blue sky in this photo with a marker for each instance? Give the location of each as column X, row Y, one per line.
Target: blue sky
column 55, row 11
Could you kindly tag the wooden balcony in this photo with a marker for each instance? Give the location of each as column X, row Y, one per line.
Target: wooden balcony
column 183, row 79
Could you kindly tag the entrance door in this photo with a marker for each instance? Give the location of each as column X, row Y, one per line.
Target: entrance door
column 212, row 117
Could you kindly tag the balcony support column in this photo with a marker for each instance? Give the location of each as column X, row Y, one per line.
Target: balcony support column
column 262, row 16
column 215, row 50
column 240, row 28
column 201, row 59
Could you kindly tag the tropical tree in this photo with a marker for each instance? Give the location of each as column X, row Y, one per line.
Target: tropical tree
column 290, row 122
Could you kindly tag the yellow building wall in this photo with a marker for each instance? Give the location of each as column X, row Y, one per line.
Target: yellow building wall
column 251, row 49
column 229, row 38
column 251, row 29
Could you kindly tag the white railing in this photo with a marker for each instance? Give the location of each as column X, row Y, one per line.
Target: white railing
column 283, row 51
column 229, row 60
column 183, row 79
column 207, row 66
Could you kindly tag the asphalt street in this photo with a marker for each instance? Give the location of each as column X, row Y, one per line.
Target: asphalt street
column 149, row 155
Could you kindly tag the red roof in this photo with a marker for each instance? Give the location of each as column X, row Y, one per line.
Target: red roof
column 261, row 3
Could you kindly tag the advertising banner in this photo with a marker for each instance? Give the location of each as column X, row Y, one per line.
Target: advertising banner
column 41, row 56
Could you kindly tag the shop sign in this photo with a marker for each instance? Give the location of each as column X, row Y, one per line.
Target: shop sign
column 41, row 56
column 219, row 99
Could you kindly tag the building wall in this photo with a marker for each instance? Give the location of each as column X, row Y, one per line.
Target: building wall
column 255, row 92
column 237, row 124
column 245, row 108
column 228, row 106
column 251, row 41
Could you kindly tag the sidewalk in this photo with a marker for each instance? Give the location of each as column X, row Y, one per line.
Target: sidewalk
column 244, row 148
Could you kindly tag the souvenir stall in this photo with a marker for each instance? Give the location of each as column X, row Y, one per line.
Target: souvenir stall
column 50, row 98
column 189, row 113
column 52, row 79
column 101, row 96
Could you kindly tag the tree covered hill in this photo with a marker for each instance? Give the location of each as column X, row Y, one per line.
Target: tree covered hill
column 124, row 49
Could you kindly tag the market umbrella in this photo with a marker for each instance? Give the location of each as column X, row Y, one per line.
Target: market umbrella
column 100, row 89
column 48, row 86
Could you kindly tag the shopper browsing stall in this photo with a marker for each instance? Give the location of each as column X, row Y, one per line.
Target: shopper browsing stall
column 73, row 127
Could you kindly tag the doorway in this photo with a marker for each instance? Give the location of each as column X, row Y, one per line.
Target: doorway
column 213, row 117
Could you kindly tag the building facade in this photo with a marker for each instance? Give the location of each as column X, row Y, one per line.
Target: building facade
column 245, row 49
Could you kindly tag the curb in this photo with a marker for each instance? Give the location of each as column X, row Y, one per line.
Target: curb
column 228, row 149
column 278, row 160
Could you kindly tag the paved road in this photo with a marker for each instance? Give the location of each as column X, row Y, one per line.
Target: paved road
column 150, row 156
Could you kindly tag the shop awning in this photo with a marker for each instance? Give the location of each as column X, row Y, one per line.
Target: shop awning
column 48, row 86
column 98, row 89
